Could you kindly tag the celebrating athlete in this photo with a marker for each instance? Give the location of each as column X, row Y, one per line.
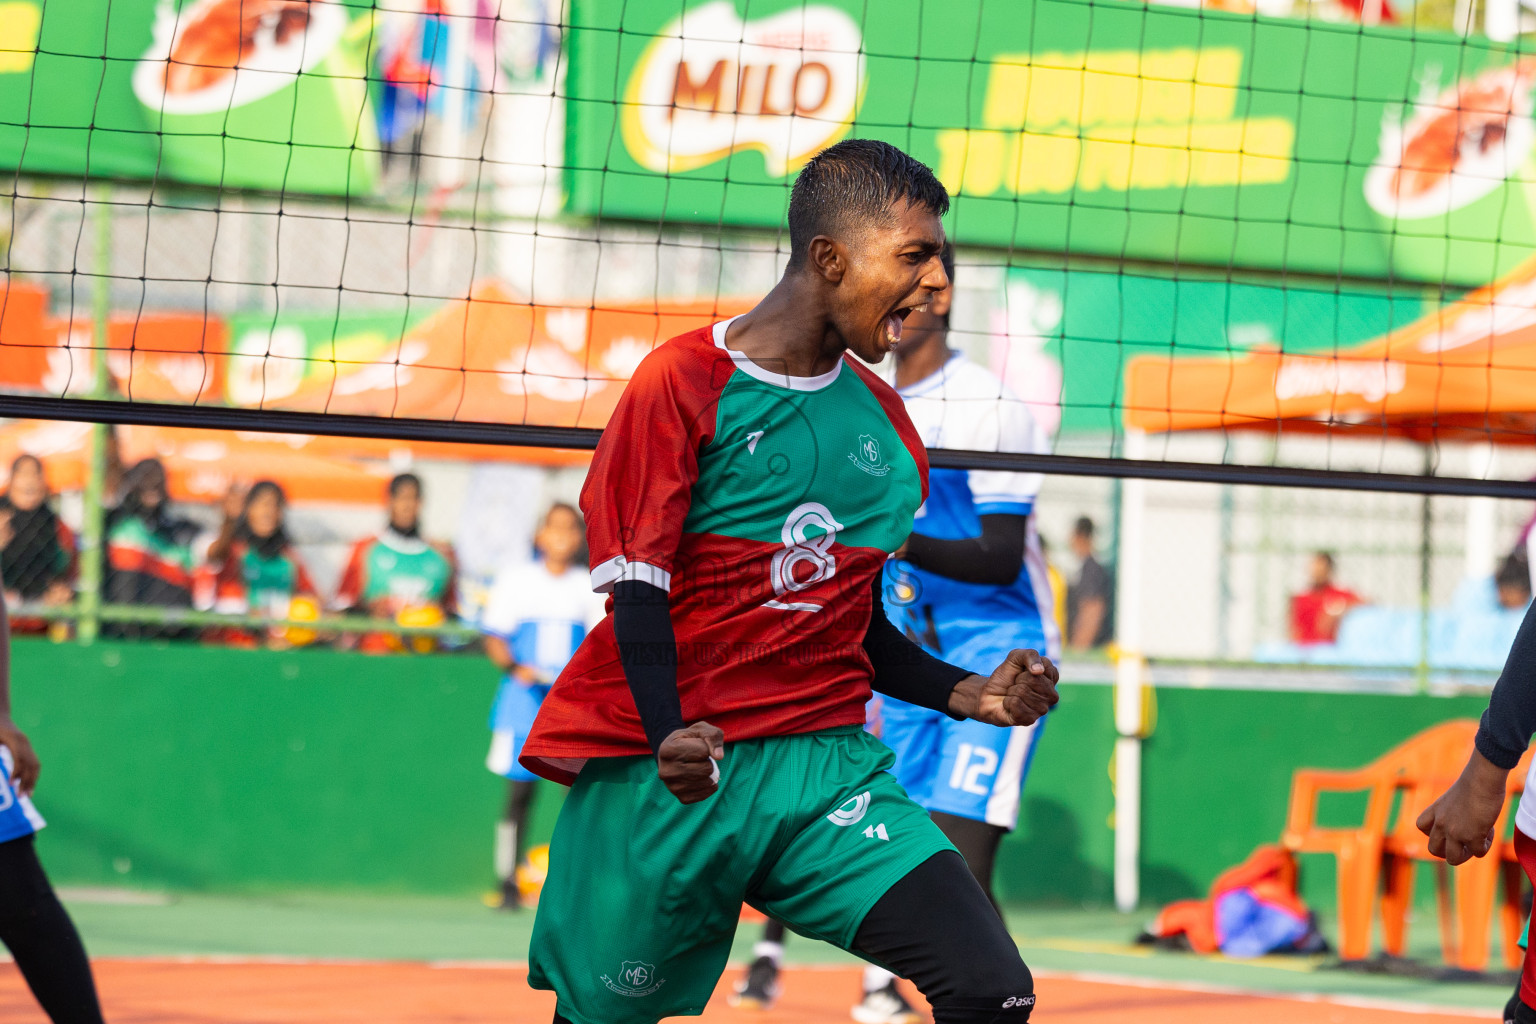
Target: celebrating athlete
column 740, row 508
column 970, row 586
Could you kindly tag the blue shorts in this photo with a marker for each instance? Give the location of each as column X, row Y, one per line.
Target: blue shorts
column 517, row 705
column 969, row 769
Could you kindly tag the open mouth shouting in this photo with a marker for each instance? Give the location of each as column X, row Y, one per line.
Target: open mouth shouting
column 894, row 320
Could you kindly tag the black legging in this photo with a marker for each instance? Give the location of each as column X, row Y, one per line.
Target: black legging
column 936, row 927
column 42, row 938
column 977, row 842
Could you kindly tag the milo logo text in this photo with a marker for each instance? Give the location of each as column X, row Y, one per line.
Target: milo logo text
column 711, row 83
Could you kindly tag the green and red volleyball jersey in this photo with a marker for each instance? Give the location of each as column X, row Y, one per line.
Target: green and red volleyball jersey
column 764, row 505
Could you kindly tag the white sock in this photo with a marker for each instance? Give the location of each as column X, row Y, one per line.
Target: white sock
column 876, row 978
column 772, row 950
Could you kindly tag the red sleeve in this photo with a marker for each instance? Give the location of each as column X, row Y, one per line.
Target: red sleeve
column 350, row 591
column 639, row 488
column 896, row 412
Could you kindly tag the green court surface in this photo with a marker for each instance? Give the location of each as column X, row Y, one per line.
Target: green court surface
column 118, row 923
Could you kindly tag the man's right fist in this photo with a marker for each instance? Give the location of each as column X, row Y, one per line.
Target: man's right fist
column 688, row 760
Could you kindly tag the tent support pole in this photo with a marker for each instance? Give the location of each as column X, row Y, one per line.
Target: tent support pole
column 1128, row 682
column 93, row 524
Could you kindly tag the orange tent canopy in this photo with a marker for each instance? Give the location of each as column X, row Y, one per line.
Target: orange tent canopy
column 1464, row 372
column 200, row 464
column 493, row 358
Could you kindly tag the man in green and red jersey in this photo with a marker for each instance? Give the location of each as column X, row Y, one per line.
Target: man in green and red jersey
column 740, row 508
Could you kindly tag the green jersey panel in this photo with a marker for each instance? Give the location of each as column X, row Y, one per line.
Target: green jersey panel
column 775, row 449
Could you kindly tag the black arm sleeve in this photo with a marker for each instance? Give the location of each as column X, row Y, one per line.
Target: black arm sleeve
column 642, row 625
column 995, row 557
column 903, row 669
column 1511, row 715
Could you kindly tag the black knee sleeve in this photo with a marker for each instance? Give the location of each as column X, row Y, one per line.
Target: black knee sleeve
column 1000, row 991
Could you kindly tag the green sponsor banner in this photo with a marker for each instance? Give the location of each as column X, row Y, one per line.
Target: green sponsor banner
column 274, row 358
column 1104, row 127
column 1071, row 333
column 259, row 94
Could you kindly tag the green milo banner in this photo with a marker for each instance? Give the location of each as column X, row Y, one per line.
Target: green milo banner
column 261, row 94
column 1120, row 129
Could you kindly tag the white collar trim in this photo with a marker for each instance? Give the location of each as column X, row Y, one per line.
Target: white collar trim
column 781, row 380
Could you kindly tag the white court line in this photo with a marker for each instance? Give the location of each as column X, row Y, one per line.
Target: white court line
column 1337, row 998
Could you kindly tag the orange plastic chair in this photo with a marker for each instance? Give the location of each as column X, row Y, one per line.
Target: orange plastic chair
column 1430, row 759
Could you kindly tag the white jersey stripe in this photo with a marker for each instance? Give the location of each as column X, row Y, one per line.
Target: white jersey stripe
column 1003, row 805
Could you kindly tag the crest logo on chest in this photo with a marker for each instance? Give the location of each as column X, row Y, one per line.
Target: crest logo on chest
column 867, row 456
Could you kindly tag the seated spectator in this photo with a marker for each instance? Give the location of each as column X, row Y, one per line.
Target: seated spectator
column 252, row 567
column 149, row 550
column 395, row 574
column 37, row 551
column 1315, row 613
column 1513, row 582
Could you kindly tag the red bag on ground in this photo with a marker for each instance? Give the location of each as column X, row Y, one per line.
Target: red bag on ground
column 1252, row 909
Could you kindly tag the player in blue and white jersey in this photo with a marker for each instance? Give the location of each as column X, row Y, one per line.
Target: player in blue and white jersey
column 969, row 585
column 970, row 582
column 537, row 615
column 33, row 923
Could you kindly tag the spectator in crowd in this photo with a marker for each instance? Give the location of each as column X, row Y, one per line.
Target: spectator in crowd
column 537, row 615
column 149, row 550
column 37, row 551
column 395, row 574
column 252, row 566
column 1091, row 599
column 1316, row 611
column 1513, row 582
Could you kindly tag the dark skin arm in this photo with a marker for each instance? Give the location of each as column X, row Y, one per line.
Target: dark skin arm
column 1460, row 823
column 24, row 758
column 995, row 557
column 501, row 656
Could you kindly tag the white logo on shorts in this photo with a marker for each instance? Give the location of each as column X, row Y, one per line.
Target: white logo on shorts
column 1013, row 1001
column 850, row 811
column 636, row 978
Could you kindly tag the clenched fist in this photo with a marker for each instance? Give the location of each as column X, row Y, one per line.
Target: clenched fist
column 1018, row 692
column 689, row 761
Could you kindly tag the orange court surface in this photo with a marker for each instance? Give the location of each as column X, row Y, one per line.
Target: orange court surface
column 270, row 991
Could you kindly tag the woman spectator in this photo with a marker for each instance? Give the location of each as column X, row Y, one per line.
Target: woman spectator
column 397, row 574
column 37, row 551
column 149, row 550
column 253, row 567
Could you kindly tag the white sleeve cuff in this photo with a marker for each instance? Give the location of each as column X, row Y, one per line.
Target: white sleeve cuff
column 618, row 569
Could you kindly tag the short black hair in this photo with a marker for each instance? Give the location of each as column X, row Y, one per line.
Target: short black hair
column 1083, row 527
column 1514, row 572
column 856, row 180
column 1327, row 557
column 405, row 480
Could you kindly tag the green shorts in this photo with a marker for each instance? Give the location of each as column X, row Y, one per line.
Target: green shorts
column 637, row 914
